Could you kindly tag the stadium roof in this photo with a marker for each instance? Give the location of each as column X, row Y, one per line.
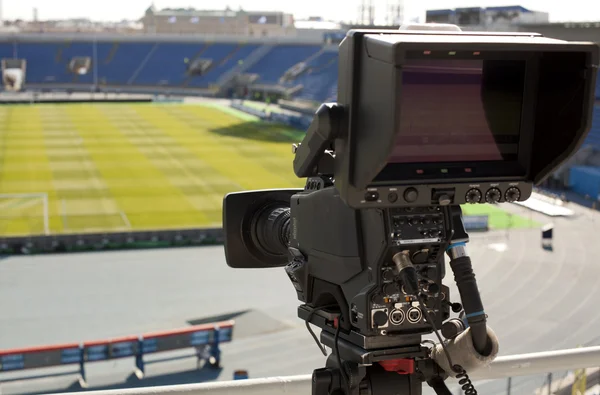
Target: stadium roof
column 508, row 8
column 191, row 12
column 325, row 25
column 440, row 12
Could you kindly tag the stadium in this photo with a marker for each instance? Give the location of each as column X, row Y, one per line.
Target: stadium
column 117, row 150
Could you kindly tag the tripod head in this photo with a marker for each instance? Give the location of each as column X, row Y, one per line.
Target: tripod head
column 425, row 121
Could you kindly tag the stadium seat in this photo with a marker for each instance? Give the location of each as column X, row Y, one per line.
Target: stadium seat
column 167, row 64
column 593, row 137
column 319, row 77
column 279, row 60
column 43, row 66
column 224, row 57
column 6, row 49
column 125, row 62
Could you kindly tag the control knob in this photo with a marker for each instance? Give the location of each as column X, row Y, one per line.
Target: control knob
column 512, row 194
column 473, row 196
column 493, row 195
column 411, row 195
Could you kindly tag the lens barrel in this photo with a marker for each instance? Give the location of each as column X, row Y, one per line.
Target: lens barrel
column 271, row 229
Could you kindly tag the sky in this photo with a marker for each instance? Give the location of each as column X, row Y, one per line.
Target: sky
column 338, row 10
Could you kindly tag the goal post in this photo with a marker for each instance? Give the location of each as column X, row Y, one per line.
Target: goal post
column 24, row 213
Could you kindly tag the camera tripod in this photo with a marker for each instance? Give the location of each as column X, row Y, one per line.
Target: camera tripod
column 392, row 371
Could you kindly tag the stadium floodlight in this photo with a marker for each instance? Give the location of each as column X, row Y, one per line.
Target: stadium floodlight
column 426, row 120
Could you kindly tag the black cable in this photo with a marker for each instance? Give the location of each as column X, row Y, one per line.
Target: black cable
column 336, row 347
column 312, row 333
column 314, row 336
column 408, row 276
column 471, row 300
column 463, row 379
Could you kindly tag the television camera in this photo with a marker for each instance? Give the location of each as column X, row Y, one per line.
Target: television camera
column 426, row 120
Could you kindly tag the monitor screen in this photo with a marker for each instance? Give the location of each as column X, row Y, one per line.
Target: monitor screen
column 459, row 110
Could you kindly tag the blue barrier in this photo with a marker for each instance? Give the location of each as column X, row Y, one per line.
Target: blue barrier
column 476, row 223
column 204, row 338
column 240, row 375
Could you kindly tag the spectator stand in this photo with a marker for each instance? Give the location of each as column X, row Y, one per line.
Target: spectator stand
column 205, row 339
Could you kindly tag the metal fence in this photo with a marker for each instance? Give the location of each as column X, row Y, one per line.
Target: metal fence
column 502, row 367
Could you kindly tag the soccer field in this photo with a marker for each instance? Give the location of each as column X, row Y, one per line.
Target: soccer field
column 115, row 167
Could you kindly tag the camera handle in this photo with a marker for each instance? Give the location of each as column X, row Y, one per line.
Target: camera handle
column 313, row 157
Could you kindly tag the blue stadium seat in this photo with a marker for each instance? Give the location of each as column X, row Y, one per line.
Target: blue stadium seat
column 43, row 64
column 219, row 68
column 167, row 64
column 105, row 53
column 319, row 78
column 6, row 49
column 123, row 64
column 224, row 57
column 593, row 137
column 279, row 60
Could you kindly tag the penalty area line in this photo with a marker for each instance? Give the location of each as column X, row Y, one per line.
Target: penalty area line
column 125, row 219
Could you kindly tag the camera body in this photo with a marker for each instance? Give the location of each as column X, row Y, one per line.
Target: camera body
column 347, row 264
column 425, row 121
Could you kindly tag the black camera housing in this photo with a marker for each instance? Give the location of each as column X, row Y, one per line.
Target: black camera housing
column 385, row 182
column 555, row 115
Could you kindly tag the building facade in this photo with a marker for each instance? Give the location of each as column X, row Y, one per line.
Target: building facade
column 218, row 22
column 489, row 19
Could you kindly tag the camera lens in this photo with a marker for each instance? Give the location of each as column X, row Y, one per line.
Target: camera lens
column 272, row 229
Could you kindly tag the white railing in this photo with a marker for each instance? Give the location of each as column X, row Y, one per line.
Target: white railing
column 502, row 367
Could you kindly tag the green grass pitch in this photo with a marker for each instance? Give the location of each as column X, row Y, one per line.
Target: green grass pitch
column 117, row 167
